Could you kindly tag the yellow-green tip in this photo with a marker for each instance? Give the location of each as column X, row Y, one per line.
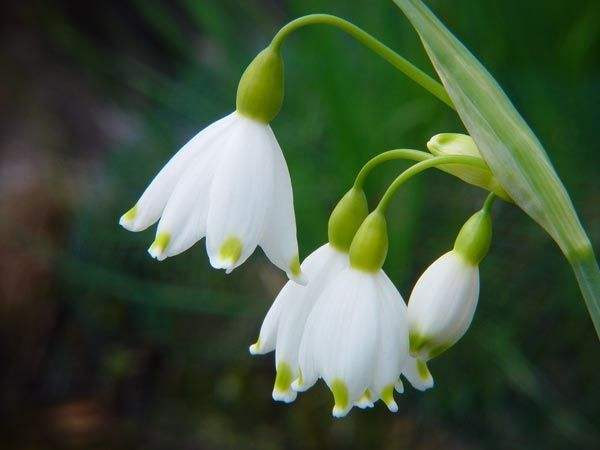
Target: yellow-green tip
column 230, row 252
column 160, row 244
column 424, row 347
column 423, row 370
column 365, row 400
column 295, row 271
column 340, row 396
column 387, row 395
column 283, row 381
column 127, row 218
column 255, row 348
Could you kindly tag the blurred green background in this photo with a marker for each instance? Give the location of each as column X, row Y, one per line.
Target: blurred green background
column 103, row 347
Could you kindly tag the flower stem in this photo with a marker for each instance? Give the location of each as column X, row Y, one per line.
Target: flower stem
column 420, row 167
column 390, row 155
column 489, row 202
column 370, row 42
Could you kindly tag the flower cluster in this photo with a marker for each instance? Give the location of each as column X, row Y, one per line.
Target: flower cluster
column 350, row 325
column 339, row 318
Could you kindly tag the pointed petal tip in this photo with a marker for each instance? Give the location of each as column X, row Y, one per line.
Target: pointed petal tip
column 228, row 255
column 255, row 349
column 294, row 272
column 298, row 386
column 392, row 406
column 427, row 384
column 222, row 264
column 338, row 412
column 156, row 253
column 160, row 244
column 364, row 403
column 399, row 387
column 127, row 220
column 284, row 396
column 124, row 222
column 300, row 278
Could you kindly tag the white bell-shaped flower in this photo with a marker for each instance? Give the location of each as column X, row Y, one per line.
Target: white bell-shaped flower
column 444, row 299
column 442, row 305
column 356, row 336
column 231, row 184
column 356, row 339
column 283, row 326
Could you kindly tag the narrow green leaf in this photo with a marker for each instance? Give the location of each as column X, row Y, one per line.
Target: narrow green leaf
column 512, row 151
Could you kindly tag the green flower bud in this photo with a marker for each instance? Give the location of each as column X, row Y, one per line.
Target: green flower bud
column 346, row 218
column 446, row 144
column 475, row 237
column 260, row 91
column 370, row 245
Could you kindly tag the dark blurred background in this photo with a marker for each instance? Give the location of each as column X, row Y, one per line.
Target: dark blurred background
column 103, row 347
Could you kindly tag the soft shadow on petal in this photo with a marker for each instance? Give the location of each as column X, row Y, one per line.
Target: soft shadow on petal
column 240, row 195
column 343, row 323
column 150, row 206
column 279, row 241
column 184, row 217
column 417, row 373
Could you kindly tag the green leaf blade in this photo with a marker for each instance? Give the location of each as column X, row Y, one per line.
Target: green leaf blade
column 510, row 148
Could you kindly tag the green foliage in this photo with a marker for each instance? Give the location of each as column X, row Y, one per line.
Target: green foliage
column 524, row 376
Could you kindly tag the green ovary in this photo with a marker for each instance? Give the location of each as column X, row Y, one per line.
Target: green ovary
column 284, row 377
column 231, row 249
column 340, row 394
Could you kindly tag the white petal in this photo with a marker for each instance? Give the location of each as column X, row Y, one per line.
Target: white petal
column 342, row 338
column 442, row 304
column 392, row 341
column 365, row 401
column 417, row 373
column 267, row 337
column 321, row 266
column 279, row 240
column 240, row 195
column 183, row 222
column 150, row 206
column 321, row 260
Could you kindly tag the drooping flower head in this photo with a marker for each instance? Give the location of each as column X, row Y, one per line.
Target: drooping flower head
column 230, row 184
column 356, row 336
column 443, row 301
column 284, row 326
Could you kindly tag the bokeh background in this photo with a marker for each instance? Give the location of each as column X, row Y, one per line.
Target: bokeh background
column 103, row 347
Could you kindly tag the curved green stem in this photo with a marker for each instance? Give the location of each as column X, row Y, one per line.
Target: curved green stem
column 402, row 64
column 420, row 167
column 489, row 202
column 403, row 153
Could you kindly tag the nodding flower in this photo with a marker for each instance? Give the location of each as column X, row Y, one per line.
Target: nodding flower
column 230, row 183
